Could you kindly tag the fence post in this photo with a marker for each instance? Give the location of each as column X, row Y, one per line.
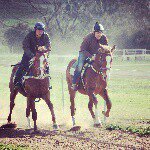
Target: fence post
column 124, row 54
column 104, row 111
column 62, row 87
column 144, row 53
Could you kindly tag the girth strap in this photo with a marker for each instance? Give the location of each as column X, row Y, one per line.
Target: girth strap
column 98, row 72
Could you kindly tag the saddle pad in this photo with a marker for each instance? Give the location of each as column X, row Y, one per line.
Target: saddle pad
column 72, row 69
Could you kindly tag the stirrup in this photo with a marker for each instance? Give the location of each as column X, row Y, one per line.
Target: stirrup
column 17, row 86
column 50, row 87
column 74, row 87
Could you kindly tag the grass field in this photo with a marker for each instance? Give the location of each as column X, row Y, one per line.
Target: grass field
column 13, row 147
column 129, row 90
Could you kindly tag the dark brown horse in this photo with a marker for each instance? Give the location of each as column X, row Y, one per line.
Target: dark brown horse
column 35, row 86
column 94, row 82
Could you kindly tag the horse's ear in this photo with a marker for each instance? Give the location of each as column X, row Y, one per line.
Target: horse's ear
column 113, row 49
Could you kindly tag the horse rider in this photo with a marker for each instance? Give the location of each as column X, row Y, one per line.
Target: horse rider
column 90, row 45
column 32, row 42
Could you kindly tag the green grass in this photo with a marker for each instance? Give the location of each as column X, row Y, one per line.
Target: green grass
column 12, row 147
column 129, row 91
column 132, row 129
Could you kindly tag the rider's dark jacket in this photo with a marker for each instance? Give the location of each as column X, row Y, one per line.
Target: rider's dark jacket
column 31, row 43
column 91, row 44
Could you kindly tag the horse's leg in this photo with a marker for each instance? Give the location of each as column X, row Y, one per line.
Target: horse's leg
column 104, row 95
column 12, row 104
column 72, row 107
column 50, row 105
column 34, row 113
column 28, row 113
column 90, row 106
column 93, row 100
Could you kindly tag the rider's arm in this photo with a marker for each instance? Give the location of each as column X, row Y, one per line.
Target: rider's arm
column 85, row 46
column 47, row 42
column 104, row 40
column 26, row 46
column 104, row 48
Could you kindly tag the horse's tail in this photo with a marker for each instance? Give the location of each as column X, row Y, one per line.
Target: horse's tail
column 68, row 75
column 15, row 67
column 71, row 63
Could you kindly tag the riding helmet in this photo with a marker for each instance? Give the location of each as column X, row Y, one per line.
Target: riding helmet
column 98, row 27
column 39, row 26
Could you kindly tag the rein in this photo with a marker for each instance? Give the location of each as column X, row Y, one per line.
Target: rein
column 98, row 72
column 101, row 68
column 40, row 54
column 33, row 62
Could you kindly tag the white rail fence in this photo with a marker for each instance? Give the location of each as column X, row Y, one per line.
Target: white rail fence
column 122, row 54
column 119, row 54
column 132, row 54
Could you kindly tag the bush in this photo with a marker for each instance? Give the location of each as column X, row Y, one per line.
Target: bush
column 140, row 131
column 15, row 35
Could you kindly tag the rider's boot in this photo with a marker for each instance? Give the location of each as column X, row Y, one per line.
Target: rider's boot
column 50, row 87
column 74, row 81
column 17, row 80
column 17, row 85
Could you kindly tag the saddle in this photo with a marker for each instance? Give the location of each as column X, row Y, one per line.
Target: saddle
column 86, row 65
column 27, row 74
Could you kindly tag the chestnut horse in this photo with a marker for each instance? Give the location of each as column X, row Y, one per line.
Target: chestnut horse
column 36, row 85
column 94, row 82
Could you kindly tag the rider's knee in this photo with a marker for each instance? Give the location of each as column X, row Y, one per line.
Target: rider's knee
column 79, row 67
column 47, row 69
column 90, row 105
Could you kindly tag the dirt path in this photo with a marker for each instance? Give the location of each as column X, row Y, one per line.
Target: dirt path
column 91, row 138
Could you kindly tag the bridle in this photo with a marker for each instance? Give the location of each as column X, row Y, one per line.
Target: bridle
column 33, row 63
column 101, row 69
column 42, row 57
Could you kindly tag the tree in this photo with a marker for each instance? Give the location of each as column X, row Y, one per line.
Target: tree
column 15, row 35
column 66, row 18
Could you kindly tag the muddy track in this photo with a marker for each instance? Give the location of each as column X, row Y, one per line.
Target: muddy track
column 91, row 138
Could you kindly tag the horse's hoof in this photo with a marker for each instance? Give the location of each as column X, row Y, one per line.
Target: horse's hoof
column 75, row 128
column 29, row 127
column 55, row 127
column 36, row 132
column 9, row 126
column 33, row 131
column 105, row 114
column 97, row 125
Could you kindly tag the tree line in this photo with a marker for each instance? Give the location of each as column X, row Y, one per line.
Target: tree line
column 125, row 21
